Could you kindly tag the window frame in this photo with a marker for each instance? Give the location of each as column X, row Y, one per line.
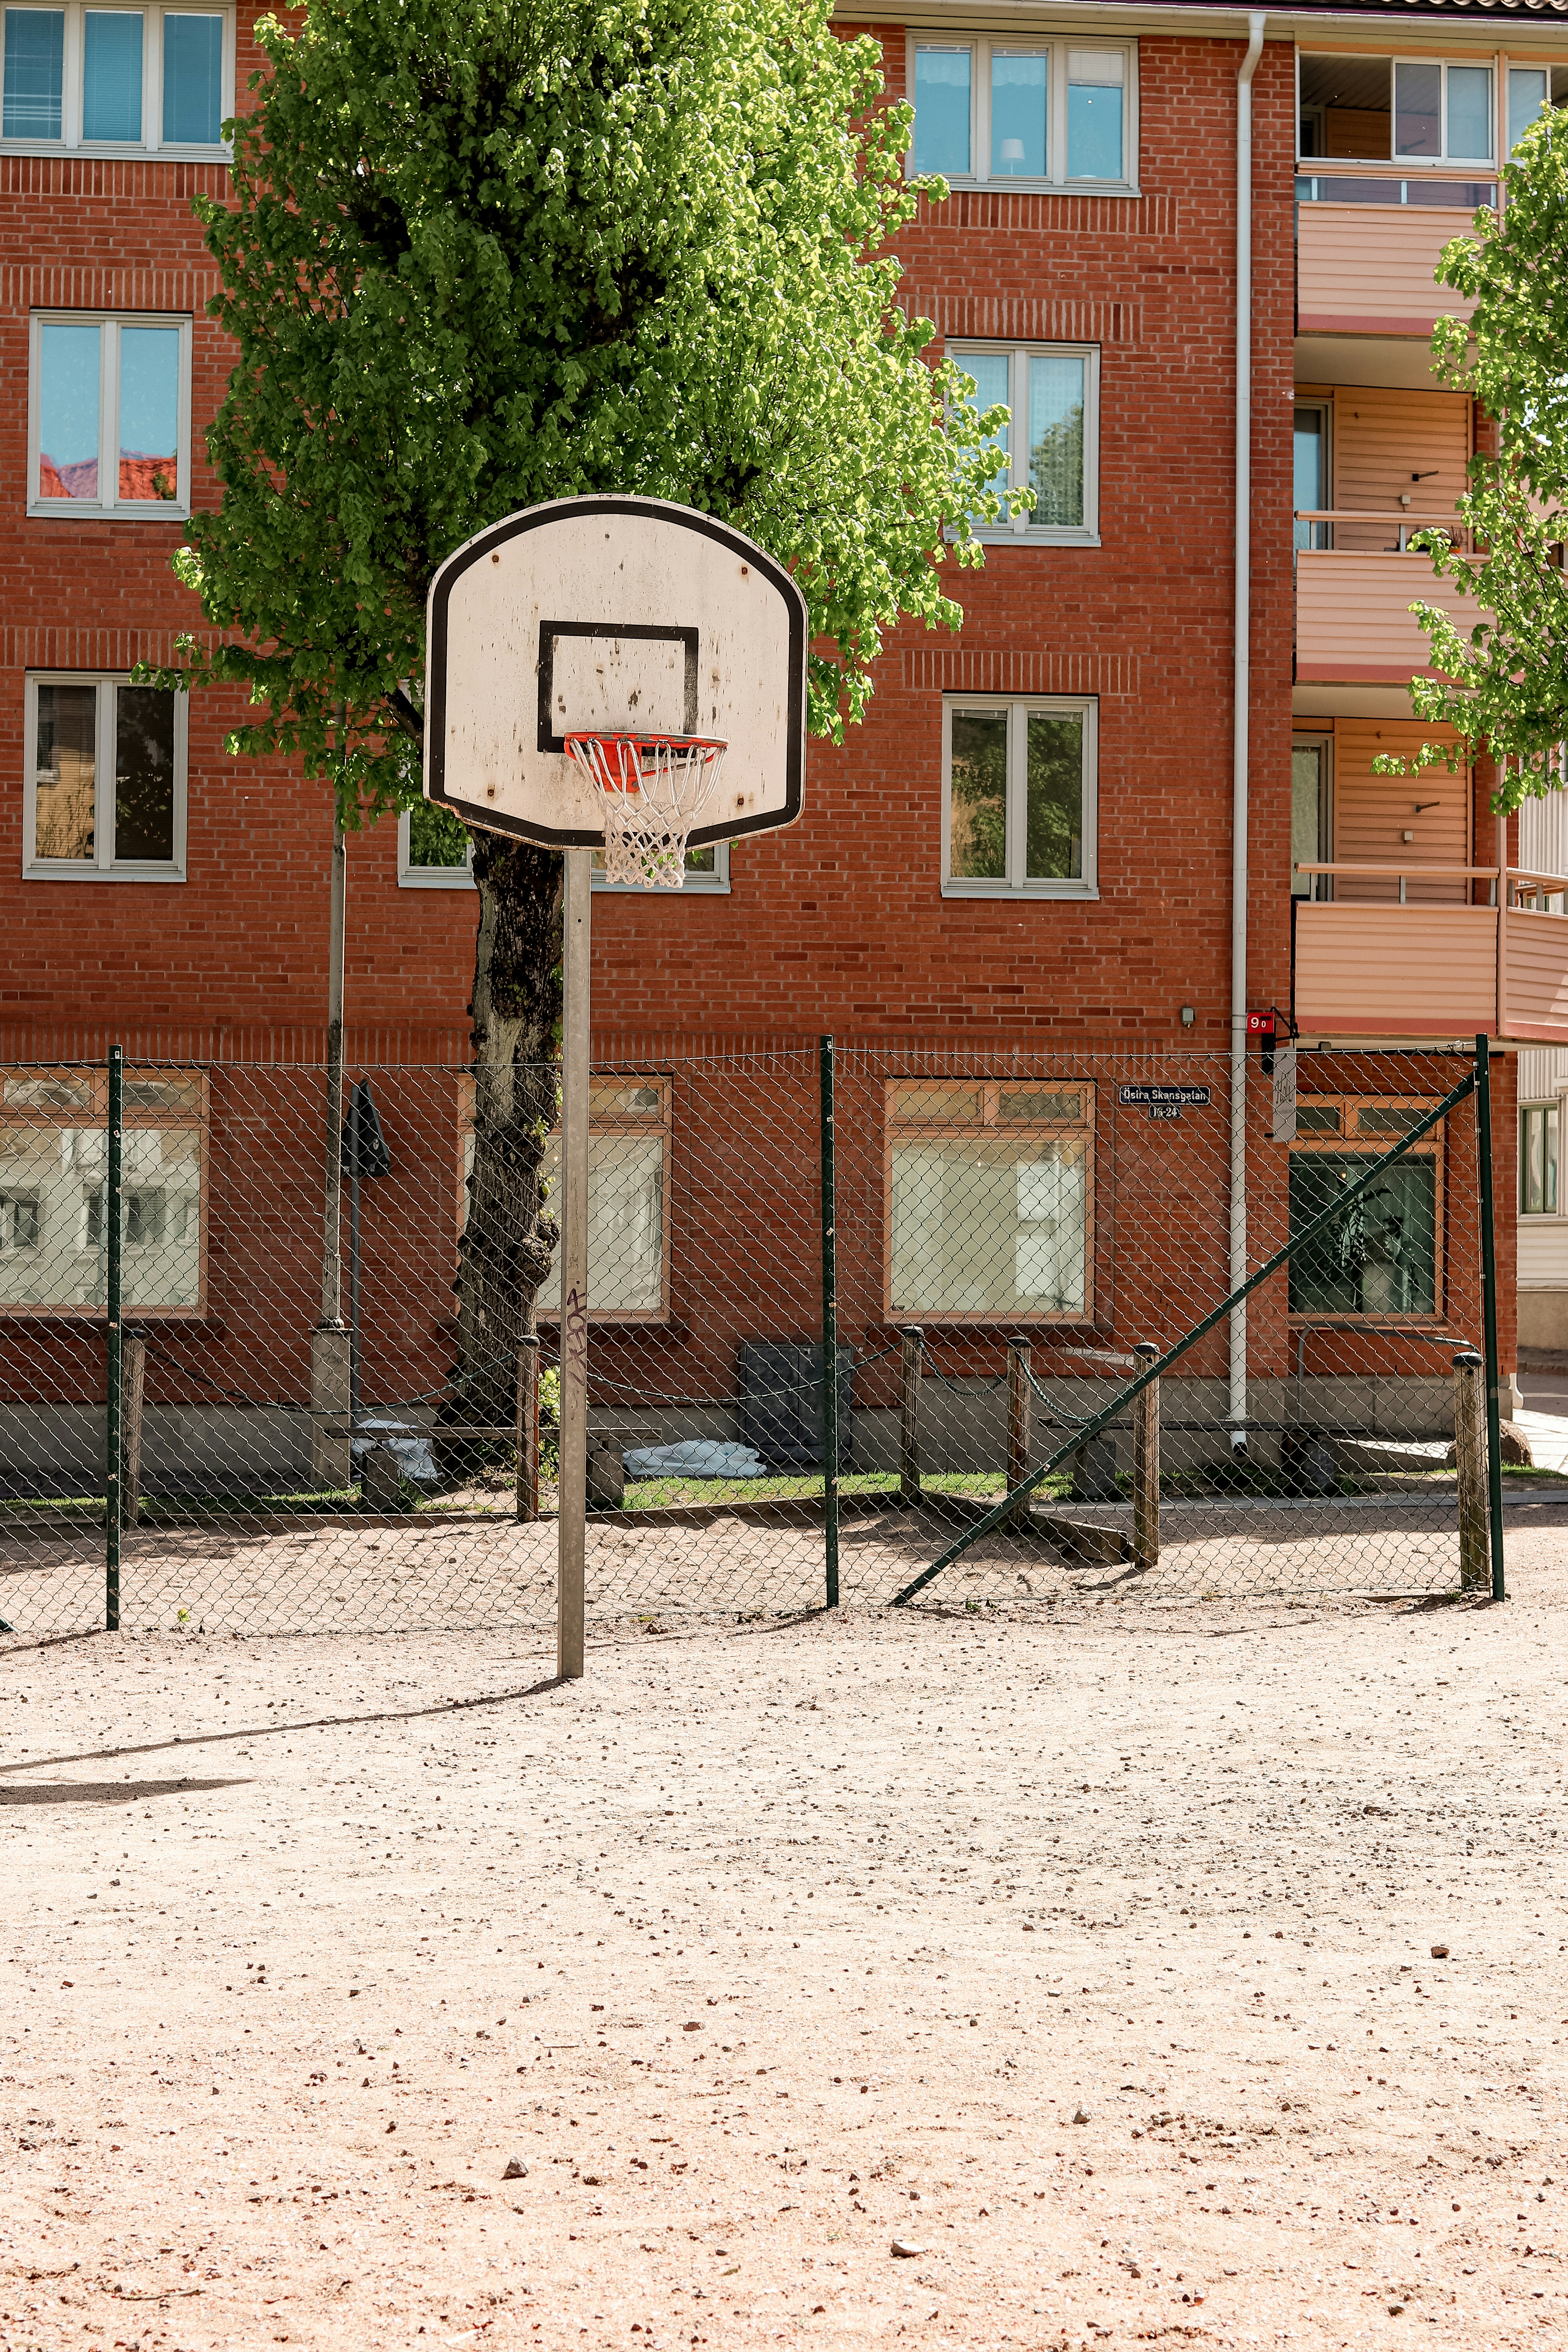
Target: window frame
column 92, row 1115
column 110, row 324
column 1083, row 706
column 897, row 1129
column 1549, row 1105
column 1023, row 530
column 1054, row 48
column 73, row 83
column 461, row 877
column 1350, row 1142
column 599, row 1123
column 1414, row 166
column 101, row 867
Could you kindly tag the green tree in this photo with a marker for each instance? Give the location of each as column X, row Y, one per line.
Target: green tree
column 483, row 252
column 1504, row 675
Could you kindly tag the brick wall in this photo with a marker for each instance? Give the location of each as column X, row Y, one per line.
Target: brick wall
column 839, row 922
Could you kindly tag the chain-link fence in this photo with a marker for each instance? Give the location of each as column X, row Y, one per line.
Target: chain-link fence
column 1010, row 1230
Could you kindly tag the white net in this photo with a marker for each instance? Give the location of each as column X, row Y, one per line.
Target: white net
column 654, row 788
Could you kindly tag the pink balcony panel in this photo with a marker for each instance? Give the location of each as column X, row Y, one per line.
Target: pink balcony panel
column 1353, row 622
column 1368, row 269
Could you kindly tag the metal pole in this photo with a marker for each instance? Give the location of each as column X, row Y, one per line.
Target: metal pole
column 1488, row 1308
column 354, row 1255
column 574, row 1470
column 332, row 1239
column 528, row 1427
column 829, row 1336
column 112, row 1418
column 910, row 1342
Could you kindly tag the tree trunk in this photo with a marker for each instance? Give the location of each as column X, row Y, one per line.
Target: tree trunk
column 509, row 1239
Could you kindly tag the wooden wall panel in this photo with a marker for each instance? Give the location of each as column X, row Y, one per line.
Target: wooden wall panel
column 1373, row 813
column 1380, row 439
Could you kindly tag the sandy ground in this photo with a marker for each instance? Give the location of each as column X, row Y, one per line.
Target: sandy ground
column 332, row 1576
column 1086, row 1951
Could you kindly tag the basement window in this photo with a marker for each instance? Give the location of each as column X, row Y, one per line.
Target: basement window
column 989, row 1201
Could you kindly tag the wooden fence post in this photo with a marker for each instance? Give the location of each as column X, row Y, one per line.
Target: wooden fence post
column 1146, row 1465
column 1018, row 1399
column 912, row 1339
column 528, row 1428
column 133, row 1397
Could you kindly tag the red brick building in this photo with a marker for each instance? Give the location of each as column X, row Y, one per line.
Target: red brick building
column 1031, row 843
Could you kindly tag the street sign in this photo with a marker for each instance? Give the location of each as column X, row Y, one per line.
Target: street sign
column 1166, row 1102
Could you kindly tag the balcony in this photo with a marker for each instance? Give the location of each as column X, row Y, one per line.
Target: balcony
column 1367, row 249
column 1397, row 968
column 1353, row 624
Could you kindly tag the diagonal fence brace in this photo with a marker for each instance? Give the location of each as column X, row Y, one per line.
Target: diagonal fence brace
column 1091, row 1428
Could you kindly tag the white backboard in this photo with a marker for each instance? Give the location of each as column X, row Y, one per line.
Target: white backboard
column 611, row 614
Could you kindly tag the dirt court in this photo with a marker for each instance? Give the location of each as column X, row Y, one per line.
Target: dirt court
column 1083, row 1949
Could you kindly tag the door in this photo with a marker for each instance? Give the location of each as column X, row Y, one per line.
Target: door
column 1312, row 815
column 1312, row 480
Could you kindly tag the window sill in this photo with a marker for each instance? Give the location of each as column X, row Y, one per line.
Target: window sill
column 1048, row 893
column 1040, row 535
column 63, row 872
column 436, row 877
column 1030, row 187
column 696, row 885
column 128, row 151
column 87, row 511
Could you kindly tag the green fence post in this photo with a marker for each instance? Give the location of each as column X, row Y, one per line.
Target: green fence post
column 112, row 1440
column 1489, row 1309
column 829, row 1336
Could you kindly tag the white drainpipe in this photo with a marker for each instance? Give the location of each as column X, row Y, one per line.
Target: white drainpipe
column 1241, row 688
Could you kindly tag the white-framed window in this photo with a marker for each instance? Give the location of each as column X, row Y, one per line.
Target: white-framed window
column 109, row 415
column 1051, row 443
column 1018, row 796
column 116, row 81
column 436, row 852
column 54, row 1191
column 1538, row 1133
column 104, row 781
column 1395, row 109
column 1010, row 112
column 989, row 1200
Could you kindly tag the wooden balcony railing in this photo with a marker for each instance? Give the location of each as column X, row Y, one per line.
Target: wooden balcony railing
column 1370, row 269
column 1401, row 967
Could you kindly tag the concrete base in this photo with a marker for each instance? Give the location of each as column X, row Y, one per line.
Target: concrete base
column 330, row 1462
column 1543, row 1320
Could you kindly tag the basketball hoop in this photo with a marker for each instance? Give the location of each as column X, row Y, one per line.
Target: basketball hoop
column 654, row 788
